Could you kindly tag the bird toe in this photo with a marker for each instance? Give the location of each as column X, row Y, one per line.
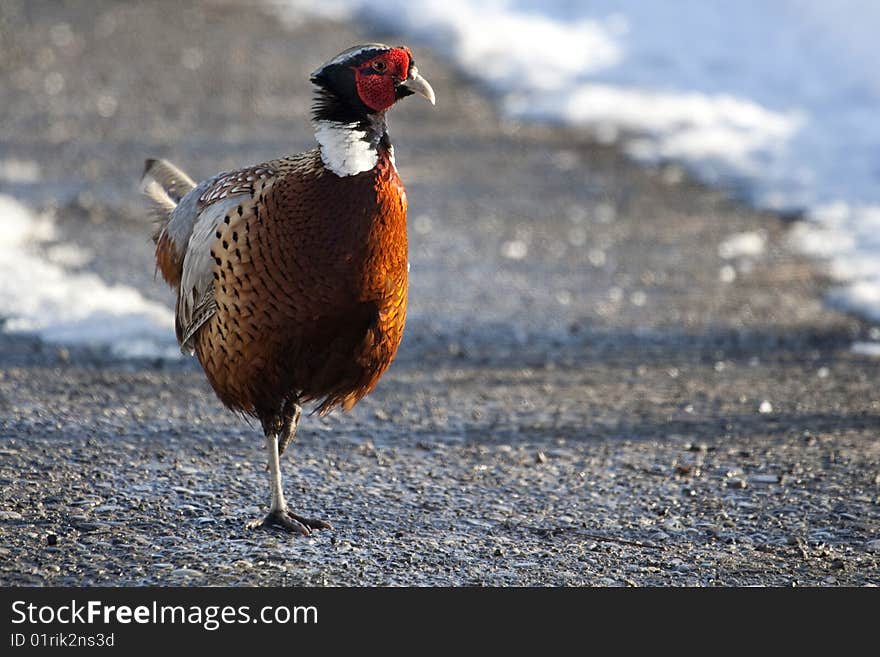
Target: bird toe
column 311, row 523
column 280, row 519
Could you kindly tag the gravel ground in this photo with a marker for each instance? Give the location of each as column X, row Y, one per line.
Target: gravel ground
column 588, row 392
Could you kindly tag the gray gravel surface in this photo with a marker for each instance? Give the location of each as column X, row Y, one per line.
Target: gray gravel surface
column 588, row 393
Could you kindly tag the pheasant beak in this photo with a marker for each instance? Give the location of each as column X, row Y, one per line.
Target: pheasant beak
column 417, row 84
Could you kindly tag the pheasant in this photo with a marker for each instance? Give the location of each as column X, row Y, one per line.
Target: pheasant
column 291, row 275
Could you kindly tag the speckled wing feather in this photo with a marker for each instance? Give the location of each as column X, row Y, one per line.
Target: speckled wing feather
column 222, row 204
column 233, row 183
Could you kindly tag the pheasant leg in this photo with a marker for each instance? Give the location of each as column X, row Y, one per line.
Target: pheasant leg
column 291, row 414
column 279, row 516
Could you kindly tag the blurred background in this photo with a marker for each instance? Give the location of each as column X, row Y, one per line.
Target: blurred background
column 773, row 103
column 643, row 293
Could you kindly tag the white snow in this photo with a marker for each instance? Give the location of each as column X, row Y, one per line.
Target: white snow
column 729, row 136
column 742, row 245
column 14, row 170
column 849, row 238
column 870, row 349
column 514, row 249
column 39, row 295
column 493, row 41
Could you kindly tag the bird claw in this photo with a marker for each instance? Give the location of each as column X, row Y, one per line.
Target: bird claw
column 289, row 521
column 311, row 523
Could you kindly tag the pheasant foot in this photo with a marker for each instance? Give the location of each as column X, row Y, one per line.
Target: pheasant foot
column 289, row 521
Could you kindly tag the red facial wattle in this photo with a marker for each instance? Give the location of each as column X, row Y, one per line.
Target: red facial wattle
column 376, row 78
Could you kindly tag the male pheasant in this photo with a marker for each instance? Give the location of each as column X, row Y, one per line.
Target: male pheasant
column 291, row 275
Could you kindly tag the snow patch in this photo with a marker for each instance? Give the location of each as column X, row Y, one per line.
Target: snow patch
column 849, row 239
column 743, row 245
column 870, row 349
column 19, row 171
column 43, row 297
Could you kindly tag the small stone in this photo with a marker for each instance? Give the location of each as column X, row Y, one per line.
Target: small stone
column 765, row 479
column 185, row 572
column 10, row 515
column 514, row 249
column 540, row 457
column 672, row 525
column 52, row 539
column 106, row 508
column 727, row 274
column 873, row 546
column 499, row 552
column 765, row 407
column 737, row 483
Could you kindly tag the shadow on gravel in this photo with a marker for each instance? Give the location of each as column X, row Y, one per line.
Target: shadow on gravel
column 500, row 346
column 724, row 428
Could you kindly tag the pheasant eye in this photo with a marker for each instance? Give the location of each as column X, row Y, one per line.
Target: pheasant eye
column 379, row 66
